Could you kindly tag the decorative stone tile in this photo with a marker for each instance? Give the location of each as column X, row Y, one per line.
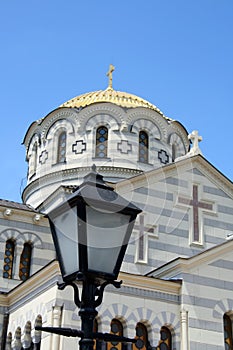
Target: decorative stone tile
column 163, row 156
column 43, row 157
column 79, row 147
column 124, row 146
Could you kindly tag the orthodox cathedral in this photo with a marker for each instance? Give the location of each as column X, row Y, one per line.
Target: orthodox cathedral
column 177, row 290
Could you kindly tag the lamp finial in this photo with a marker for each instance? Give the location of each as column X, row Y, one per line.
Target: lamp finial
column 93, row 168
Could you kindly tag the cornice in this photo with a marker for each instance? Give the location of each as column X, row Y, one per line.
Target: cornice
column 150, row 283
column 35, row 285
column 3, row 300
column 182, row 265
column 26, row 215
column 216, row 176
column 50, row 274
column 72, row 173
column 173, row 169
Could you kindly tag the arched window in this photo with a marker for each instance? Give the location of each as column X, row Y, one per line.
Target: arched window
column 165, row 342
column 101, row 150
column 34, row 160
column 141, row 337
column 25, row 262
column 8, row 259
column 116, row 329
column 61, row 147
column 228, row 332
column 143, row 147
column 32, row 165
column 174, row 152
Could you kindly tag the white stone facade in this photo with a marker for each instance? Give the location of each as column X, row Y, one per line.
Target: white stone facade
column 177, row 271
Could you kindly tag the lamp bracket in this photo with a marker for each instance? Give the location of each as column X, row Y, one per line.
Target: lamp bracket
column 92, row 291
column 63, row 285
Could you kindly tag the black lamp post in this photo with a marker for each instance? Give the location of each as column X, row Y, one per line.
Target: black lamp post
column 91, row 231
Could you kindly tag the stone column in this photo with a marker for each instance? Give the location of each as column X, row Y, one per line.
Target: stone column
column 18, row 252
column 56, row 322
column 184, row 330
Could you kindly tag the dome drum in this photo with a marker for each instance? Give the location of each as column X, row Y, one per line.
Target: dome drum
column 114, row 130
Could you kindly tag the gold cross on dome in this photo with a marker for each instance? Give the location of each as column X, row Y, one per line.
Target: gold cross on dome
column 109, row 74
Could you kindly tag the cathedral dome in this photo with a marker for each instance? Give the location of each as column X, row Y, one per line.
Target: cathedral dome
column 122, row 99
column 123, row 134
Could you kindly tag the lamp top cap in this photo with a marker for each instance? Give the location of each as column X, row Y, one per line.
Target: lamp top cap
column 95, row 178
column 95, row 192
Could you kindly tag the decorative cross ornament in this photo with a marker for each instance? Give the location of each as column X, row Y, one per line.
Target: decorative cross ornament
column 124, row 146
column 43, row 157
column 195, row 138
column 109, row 74
column 163, row 156
column 196, row 205
column 78, row 147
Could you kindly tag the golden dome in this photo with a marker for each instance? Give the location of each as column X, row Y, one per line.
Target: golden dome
column 119, row 98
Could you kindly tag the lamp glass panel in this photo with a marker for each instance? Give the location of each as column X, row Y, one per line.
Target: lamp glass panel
column 66, row 226
column 105, row 236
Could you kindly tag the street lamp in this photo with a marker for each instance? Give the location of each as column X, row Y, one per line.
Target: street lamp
column 91, row 231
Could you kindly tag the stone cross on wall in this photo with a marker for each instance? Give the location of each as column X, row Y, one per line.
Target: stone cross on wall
column 195, row 204
column 195, row 138
column 142, row 239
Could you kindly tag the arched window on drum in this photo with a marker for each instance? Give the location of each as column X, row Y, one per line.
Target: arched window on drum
column 165, row 342
column 32, row 161
column 61, row 147
column 8, row 259
column 25, row 262
column 143, row 151
column 101, row 150
column 34, row 158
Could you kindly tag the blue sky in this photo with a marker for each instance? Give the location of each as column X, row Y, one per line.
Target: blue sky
column 177, row 54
